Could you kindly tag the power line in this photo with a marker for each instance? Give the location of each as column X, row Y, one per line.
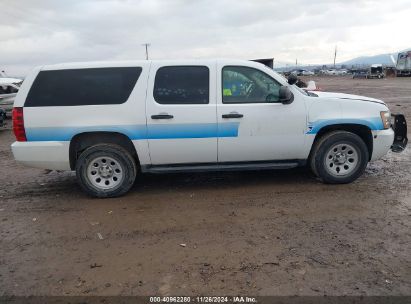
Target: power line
column 335, row 55
column 146, row 45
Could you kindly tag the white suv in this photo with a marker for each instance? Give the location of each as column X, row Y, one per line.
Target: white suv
column 110, row 121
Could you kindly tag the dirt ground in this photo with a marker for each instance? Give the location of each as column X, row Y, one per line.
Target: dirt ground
column 247, row 233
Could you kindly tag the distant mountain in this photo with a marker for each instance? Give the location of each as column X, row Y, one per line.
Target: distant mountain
column 389, row 59
column 386, row 59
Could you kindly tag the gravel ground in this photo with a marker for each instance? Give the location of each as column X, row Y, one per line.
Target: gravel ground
column 251, row 233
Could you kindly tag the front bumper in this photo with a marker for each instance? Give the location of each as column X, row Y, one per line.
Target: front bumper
column 400, row 133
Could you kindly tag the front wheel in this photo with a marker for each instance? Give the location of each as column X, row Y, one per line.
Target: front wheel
column 339, row 157
column 106, row 170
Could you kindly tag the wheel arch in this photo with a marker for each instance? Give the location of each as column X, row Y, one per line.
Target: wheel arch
column 363, row 131
column 84, row 140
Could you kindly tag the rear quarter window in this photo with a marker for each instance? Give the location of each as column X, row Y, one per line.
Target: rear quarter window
column 79, row 87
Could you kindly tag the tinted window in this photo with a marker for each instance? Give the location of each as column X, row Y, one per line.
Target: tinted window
column 83, row 87
column 182, row 85
column 248, row 85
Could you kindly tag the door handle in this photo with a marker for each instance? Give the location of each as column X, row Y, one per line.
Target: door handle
column 232, row 115
column 162, row 116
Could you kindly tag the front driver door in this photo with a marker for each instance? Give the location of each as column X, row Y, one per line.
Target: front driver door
column 253, row 124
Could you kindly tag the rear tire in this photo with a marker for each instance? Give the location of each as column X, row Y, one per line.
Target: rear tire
column 106, row 170
column 339, row 157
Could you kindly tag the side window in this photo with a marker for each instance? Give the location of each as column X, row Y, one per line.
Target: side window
column 182, row 85
column 248, row 85
column 79, row 87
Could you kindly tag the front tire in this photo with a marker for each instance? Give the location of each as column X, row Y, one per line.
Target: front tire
column 106, row 170
column 339, row 157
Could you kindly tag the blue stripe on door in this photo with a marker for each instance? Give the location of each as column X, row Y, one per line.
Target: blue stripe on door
column 137, row 132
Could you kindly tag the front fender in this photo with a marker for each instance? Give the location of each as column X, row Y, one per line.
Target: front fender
column 328, row 112
column 322, row 111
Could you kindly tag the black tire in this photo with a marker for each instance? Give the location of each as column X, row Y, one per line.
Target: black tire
column 322, row 150
column 121, row 158
column 311, row 160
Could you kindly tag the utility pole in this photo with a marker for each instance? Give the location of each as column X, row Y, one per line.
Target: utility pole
column 146, row 45
column 335, row 55
column 296, row 63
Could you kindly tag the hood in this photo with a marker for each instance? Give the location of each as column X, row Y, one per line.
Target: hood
column 347, row 97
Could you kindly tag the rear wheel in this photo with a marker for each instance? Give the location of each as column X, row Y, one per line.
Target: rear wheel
column 339, row 157
column 106, row 170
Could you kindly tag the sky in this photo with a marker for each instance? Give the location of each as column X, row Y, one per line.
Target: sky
column 42, row 32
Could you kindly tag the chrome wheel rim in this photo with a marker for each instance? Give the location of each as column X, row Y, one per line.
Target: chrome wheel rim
column 105, row 172
column 341, row 160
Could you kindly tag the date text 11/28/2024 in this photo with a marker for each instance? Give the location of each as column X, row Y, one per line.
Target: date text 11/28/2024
column 203, row 299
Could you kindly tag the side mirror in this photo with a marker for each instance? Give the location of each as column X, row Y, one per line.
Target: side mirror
column 286, row 97
column 292, row 79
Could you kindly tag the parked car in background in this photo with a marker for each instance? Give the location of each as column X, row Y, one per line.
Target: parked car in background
column 8, row 91
column 302, row 72
column 330, row 72
column 111, row 121
column 359, row 74
column 335, row 72
column 2, row 117
column 307, row 73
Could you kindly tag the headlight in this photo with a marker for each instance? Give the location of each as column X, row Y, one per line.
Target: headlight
column 386, row 119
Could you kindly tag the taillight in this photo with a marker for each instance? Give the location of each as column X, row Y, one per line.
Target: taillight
column 18, row 124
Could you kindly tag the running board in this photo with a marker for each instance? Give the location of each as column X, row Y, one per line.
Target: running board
column 219, row 167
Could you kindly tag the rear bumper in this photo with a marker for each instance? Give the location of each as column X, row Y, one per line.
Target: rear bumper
column 400, row 133
column 53, row 155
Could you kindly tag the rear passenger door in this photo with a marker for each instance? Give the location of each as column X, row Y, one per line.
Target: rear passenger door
column 181, row 113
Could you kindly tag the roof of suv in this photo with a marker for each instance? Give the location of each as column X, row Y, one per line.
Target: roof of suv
column 101, row 64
